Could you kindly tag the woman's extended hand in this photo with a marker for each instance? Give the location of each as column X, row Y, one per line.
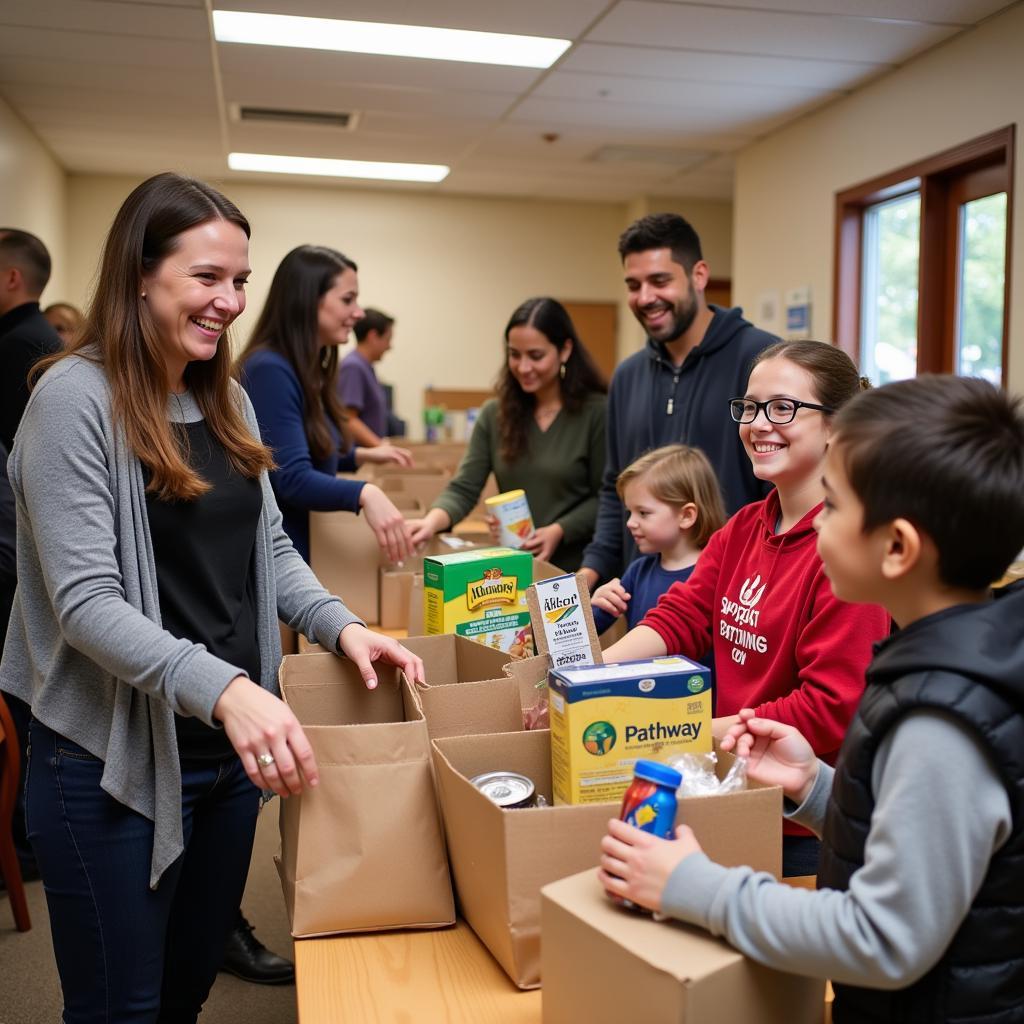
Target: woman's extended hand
column 364, row 647
column 267, row 736
column 493, row 526
column 421, row 530
column 381, row 453
column 777, row 754
column 543, row 542
column 388, row 524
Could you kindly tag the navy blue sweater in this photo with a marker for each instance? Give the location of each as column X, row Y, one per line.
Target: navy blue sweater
column 645, row 581
column 301, row 483
column 638, row 420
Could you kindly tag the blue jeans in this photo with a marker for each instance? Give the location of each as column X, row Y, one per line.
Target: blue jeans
column 127, row 954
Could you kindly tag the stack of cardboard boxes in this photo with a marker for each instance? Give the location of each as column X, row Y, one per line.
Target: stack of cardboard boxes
column 409, row 754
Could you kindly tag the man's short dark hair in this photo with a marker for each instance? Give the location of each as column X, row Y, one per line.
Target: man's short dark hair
column 663, row 231
column 26, row 252
column 374, row 320
column 947, row 454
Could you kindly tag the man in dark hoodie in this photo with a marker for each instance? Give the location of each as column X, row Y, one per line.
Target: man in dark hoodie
column 921, row 888
column 677, row 389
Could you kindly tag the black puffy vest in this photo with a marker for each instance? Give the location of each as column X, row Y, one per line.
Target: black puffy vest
column 980, row 977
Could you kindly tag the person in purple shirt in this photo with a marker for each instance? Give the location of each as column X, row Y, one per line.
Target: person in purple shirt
column 289, row 370
column 362, row 395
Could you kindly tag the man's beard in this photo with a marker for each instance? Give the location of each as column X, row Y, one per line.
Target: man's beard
column 683, row 315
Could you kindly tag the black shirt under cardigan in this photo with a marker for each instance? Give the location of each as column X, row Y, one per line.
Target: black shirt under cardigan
column 204, row 565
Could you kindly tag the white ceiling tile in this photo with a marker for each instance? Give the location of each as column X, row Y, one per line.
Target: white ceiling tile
column 131, row 19
column 696, row 65
column 104, row 49
column 167, row 84
column 755, row 100
column 728, row 30
column 564, row 19
column 951, row 12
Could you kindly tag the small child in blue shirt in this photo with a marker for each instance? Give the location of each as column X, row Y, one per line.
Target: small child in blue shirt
column 675, row 505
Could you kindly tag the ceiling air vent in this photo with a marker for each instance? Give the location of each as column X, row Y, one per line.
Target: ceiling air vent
column 344, row 120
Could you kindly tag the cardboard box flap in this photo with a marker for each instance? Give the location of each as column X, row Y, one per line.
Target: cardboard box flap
column 454, row 659
column 531, row 675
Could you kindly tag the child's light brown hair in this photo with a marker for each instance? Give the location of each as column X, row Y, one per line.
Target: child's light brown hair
column 680, row 475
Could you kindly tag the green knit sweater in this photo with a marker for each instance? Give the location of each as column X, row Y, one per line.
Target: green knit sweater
column 560, row 472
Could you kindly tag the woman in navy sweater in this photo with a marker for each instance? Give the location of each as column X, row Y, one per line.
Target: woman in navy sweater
column 289, row 369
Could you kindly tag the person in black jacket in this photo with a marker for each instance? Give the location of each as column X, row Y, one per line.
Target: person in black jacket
column 677, row 389
column 25, row 334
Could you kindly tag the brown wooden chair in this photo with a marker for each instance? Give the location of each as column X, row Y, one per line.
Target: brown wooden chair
column 10, row 769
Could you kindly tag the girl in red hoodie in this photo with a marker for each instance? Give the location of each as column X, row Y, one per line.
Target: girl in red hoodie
column 759, row 598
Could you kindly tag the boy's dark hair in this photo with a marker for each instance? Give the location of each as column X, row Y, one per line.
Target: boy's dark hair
column 663, row 231
column 373, row 320
column 26, row 252
column 946, row 453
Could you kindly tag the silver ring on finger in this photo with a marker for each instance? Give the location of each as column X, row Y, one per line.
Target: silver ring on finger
column 265, row 760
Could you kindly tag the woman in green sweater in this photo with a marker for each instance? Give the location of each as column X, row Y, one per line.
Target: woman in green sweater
column 544, row 433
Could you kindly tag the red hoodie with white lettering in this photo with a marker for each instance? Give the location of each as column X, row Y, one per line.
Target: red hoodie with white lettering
column 783, row 643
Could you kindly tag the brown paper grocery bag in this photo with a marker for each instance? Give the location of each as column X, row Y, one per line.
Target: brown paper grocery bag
column 363, row 851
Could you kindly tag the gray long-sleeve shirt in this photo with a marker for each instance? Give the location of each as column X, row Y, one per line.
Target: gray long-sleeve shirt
column 85, row 646
column 941, row 812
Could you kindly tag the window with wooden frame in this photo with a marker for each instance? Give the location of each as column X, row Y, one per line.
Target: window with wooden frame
column 922, row 263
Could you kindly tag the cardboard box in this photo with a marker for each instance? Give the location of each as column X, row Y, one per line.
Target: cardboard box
column 467, row 690
column 363, row 851
column 605, row 965
column 422, row 485
column 482, row 595
column 501, row 859
column 606, row 717
column 346, row 559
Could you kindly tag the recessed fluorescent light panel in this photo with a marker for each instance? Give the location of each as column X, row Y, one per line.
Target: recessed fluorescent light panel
column 387, row 40
column 374, row 169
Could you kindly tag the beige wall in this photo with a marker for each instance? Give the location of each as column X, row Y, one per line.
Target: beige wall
column 32, row 193
column 786, row 184
column 450, row 269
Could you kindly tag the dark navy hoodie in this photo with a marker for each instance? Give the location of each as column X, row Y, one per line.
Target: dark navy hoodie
column 638, row 420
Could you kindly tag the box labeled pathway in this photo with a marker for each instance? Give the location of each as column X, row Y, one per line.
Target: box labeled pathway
column 481, row 595
column 500, row 859
column 605, row 717
column 604, row 965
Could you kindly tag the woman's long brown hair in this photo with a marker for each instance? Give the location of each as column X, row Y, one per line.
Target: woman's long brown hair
column 119, row 334
column 288, row 325
column 582, row 378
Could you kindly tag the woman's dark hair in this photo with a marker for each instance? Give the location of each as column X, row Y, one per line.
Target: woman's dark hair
column 120, row 335
column 582, row 378
column 288, row 324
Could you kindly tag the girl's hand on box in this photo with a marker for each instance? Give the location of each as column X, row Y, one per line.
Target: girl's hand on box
column 267, row 736
column 612, row 597
column 777, row 754
column 388, row 524
column 544, row 540
column 636, row 865
column 364, row 647
column 421, row 530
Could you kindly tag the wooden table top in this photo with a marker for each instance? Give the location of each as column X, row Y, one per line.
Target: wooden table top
column 444, row 974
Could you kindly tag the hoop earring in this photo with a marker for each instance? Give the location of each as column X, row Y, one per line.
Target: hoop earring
column 561, row 371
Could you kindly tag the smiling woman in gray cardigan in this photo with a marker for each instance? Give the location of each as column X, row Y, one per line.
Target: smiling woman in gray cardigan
column 152, row 571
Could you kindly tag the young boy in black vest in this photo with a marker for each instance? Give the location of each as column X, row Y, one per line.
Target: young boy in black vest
column 919, row 915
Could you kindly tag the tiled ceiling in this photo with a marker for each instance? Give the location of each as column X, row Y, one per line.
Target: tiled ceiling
column 652, row 98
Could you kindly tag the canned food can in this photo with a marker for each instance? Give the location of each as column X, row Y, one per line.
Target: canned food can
column 513, row 513
column 509, row 790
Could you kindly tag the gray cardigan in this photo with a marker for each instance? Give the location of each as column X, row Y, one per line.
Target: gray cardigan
column 85, row 646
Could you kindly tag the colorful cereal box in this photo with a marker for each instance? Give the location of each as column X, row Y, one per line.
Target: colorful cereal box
column 480, row 594
column 606, row 717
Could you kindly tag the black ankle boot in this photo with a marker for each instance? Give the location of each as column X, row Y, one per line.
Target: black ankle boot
column 247, row 958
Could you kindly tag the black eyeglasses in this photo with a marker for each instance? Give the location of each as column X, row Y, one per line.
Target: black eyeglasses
column 776, row 410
